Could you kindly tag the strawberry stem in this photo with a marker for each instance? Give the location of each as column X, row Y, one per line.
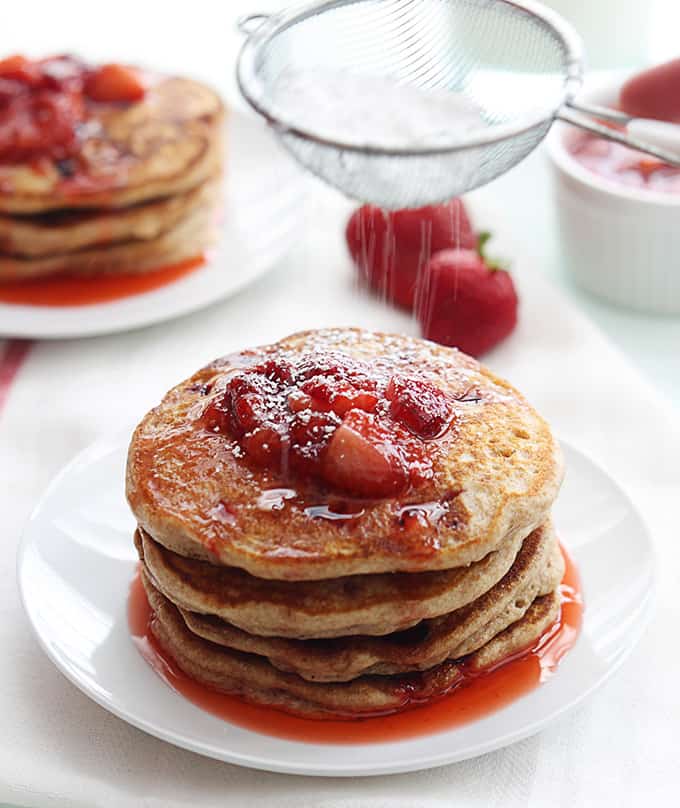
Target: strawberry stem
column 492, row 263
column 482, row 240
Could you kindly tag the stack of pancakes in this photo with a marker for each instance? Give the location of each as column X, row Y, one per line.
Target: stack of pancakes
column 139, row 194
column 254, row 594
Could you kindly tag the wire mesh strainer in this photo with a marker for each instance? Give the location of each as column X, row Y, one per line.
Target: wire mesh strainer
column 321, row 75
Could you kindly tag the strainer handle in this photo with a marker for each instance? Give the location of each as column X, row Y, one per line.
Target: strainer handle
column 575, row 115
column 249, row 23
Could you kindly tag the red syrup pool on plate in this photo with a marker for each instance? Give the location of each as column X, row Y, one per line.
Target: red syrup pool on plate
column 473, row 697
column 73, row 291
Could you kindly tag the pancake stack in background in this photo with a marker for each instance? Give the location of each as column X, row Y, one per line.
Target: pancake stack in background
column 104, row 170
column 288, row 590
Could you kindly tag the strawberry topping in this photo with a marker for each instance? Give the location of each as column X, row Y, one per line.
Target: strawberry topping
column 421, row 407
column 357, row 428
column 41, row 106
column 43, row 103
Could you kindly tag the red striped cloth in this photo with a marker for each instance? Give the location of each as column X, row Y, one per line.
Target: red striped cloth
column 13, row 356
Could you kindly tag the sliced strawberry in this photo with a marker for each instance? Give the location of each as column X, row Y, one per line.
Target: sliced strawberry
column 354, row 400
column 19, row 68
column 263, row 445
column 277, row 370
column 419, row 406
column 340, row 396
column 309, row 433
column 299, row 401
column 362, row 458
column 248, row 411
column 9, row 90
column 216, row 419
column 114, row 83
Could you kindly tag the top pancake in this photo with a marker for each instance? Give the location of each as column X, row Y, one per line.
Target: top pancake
column 497, row 471
column 164, row 144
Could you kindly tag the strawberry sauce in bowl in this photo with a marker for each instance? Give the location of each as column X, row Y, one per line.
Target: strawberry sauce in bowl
column 652, row 94
column 620, row 164
column 618, row 209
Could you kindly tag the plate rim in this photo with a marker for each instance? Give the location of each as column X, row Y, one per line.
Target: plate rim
column 116, row 441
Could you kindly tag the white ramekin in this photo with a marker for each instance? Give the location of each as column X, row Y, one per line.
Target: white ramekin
column 620, row 243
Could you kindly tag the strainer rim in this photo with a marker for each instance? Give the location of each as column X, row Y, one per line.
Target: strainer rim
column 251, row 87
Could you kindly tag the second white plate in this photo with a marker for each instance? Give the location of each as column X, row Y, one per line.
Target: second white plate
column 263, row 205
column 77, row 560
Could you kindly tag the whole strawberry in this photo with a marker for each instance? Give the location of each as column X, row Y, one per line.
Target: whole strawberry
column 466, row 301
column 390, row 248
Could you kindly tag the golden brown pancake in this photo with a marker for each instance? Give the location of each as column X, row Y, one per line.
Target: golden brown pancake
column 58, row 232
column 537, row 571
column 253, row 678
column 165, row 144
column 496, row 474
column 358, row 604
column 188, row 238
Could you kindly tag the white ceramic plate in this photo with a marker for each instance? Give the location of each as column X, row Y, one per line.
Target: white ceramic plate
column 263, row 205
column 77, row 560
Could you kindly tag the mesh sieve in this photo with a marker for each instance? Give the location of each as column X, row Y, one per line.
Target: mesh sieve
column 321, row 76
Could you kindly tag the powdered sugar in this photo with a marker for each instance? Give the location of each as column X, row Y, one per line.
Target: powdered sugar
column 373, row 111
column 362, row 114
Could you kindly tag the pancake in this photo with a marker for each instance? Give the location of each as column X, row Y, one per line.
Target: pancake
column 254, row 679
column 360, row 604
column 187, row 239
column 59, row 232
column 496, row 472
column 520, row 635
column 165, row 144
column 537, row 571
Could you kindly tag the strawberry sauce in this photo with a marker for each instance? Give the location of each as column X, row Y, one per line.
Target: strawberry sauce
column 73, row 291
column 624, row 166
column 474, row 696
